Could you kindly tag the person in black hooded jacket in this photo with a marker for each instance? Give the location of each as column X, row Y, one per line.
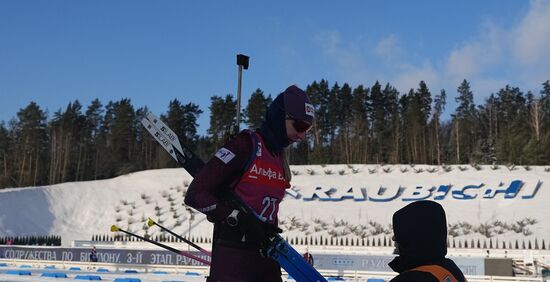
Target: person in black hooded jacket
column 420, row 235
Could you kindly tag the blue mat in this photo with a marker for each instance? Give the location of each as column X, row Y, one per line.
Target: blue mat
column 102, row 270
column 54, row 274
column 127, row 280
column 375, row 280
column 18, row 272
column 25, row 266
column 3, row 264
column 130, row 271
column 88, row 277
column 75, row 268
column 189, row 273
column 49, row 267
column 160, row 272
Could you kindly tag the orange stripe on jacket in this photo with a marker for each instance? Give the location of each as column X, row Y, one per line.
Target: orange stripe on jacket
column 438, row 272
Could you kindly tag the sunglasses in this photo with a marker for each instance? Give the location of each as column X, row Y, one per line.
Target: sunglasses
column 299, row 125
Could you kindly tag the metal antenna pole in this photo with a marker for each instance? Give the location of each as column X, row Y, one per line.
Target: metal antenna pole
column 242, row 62
column 239, row 100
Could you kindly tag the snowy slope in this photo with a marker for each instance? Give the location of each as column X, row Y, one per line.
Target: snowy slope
column 78, row 210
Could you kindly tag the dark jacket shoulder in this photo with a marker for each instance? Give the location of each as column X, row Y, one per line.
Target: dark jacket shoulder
column 414, row 276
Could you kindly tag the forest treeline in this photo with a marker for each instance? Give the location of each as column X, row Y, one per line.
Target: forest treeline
column 375, row 124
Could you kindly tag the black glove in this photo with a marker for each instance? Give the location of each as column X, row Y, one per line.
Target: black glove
column 271, row 229
column 268, row 235
column 254, row 229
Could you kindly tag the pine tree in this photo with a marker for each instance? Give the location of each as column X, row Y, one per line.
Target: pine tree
column 536, row 115
column 418, row 112
column 439, row 108
column 392, row 132
column 124, row 137
column 222, row 118
column 67, row 144
column 377, row 113
column 464, row 120
column 30, row 151
column 105, row 162
column 488, row 130
column 5, row 168
column 319, row 94
column 545, row 104
column 182, row 119
column 535, row 151
column 404, row 123
column 148, row 153
column 344, row 119
column 94, row 119
column 360, row 124
column 256, row 108
column 332, row 122
column 512, row 125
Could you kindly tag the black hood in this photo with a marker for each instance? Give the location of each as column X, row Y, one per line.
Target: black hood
column 420, row 230
column 295, row 104
column 273, row 127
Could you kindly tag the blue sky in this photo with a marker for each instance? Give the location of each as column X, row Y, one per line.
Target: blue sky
column 54, row 52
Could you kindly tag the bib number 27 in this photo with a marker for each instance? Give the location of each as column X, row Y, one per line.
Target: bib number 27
column 269, row 207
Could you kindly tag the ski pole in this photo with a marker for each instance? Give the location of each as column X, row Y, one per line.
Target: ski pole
column 115, row 228
column 151, row 222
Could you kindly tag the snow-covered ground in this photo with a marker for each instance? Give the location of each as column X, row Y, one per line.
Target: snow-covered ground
column 78, row 210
